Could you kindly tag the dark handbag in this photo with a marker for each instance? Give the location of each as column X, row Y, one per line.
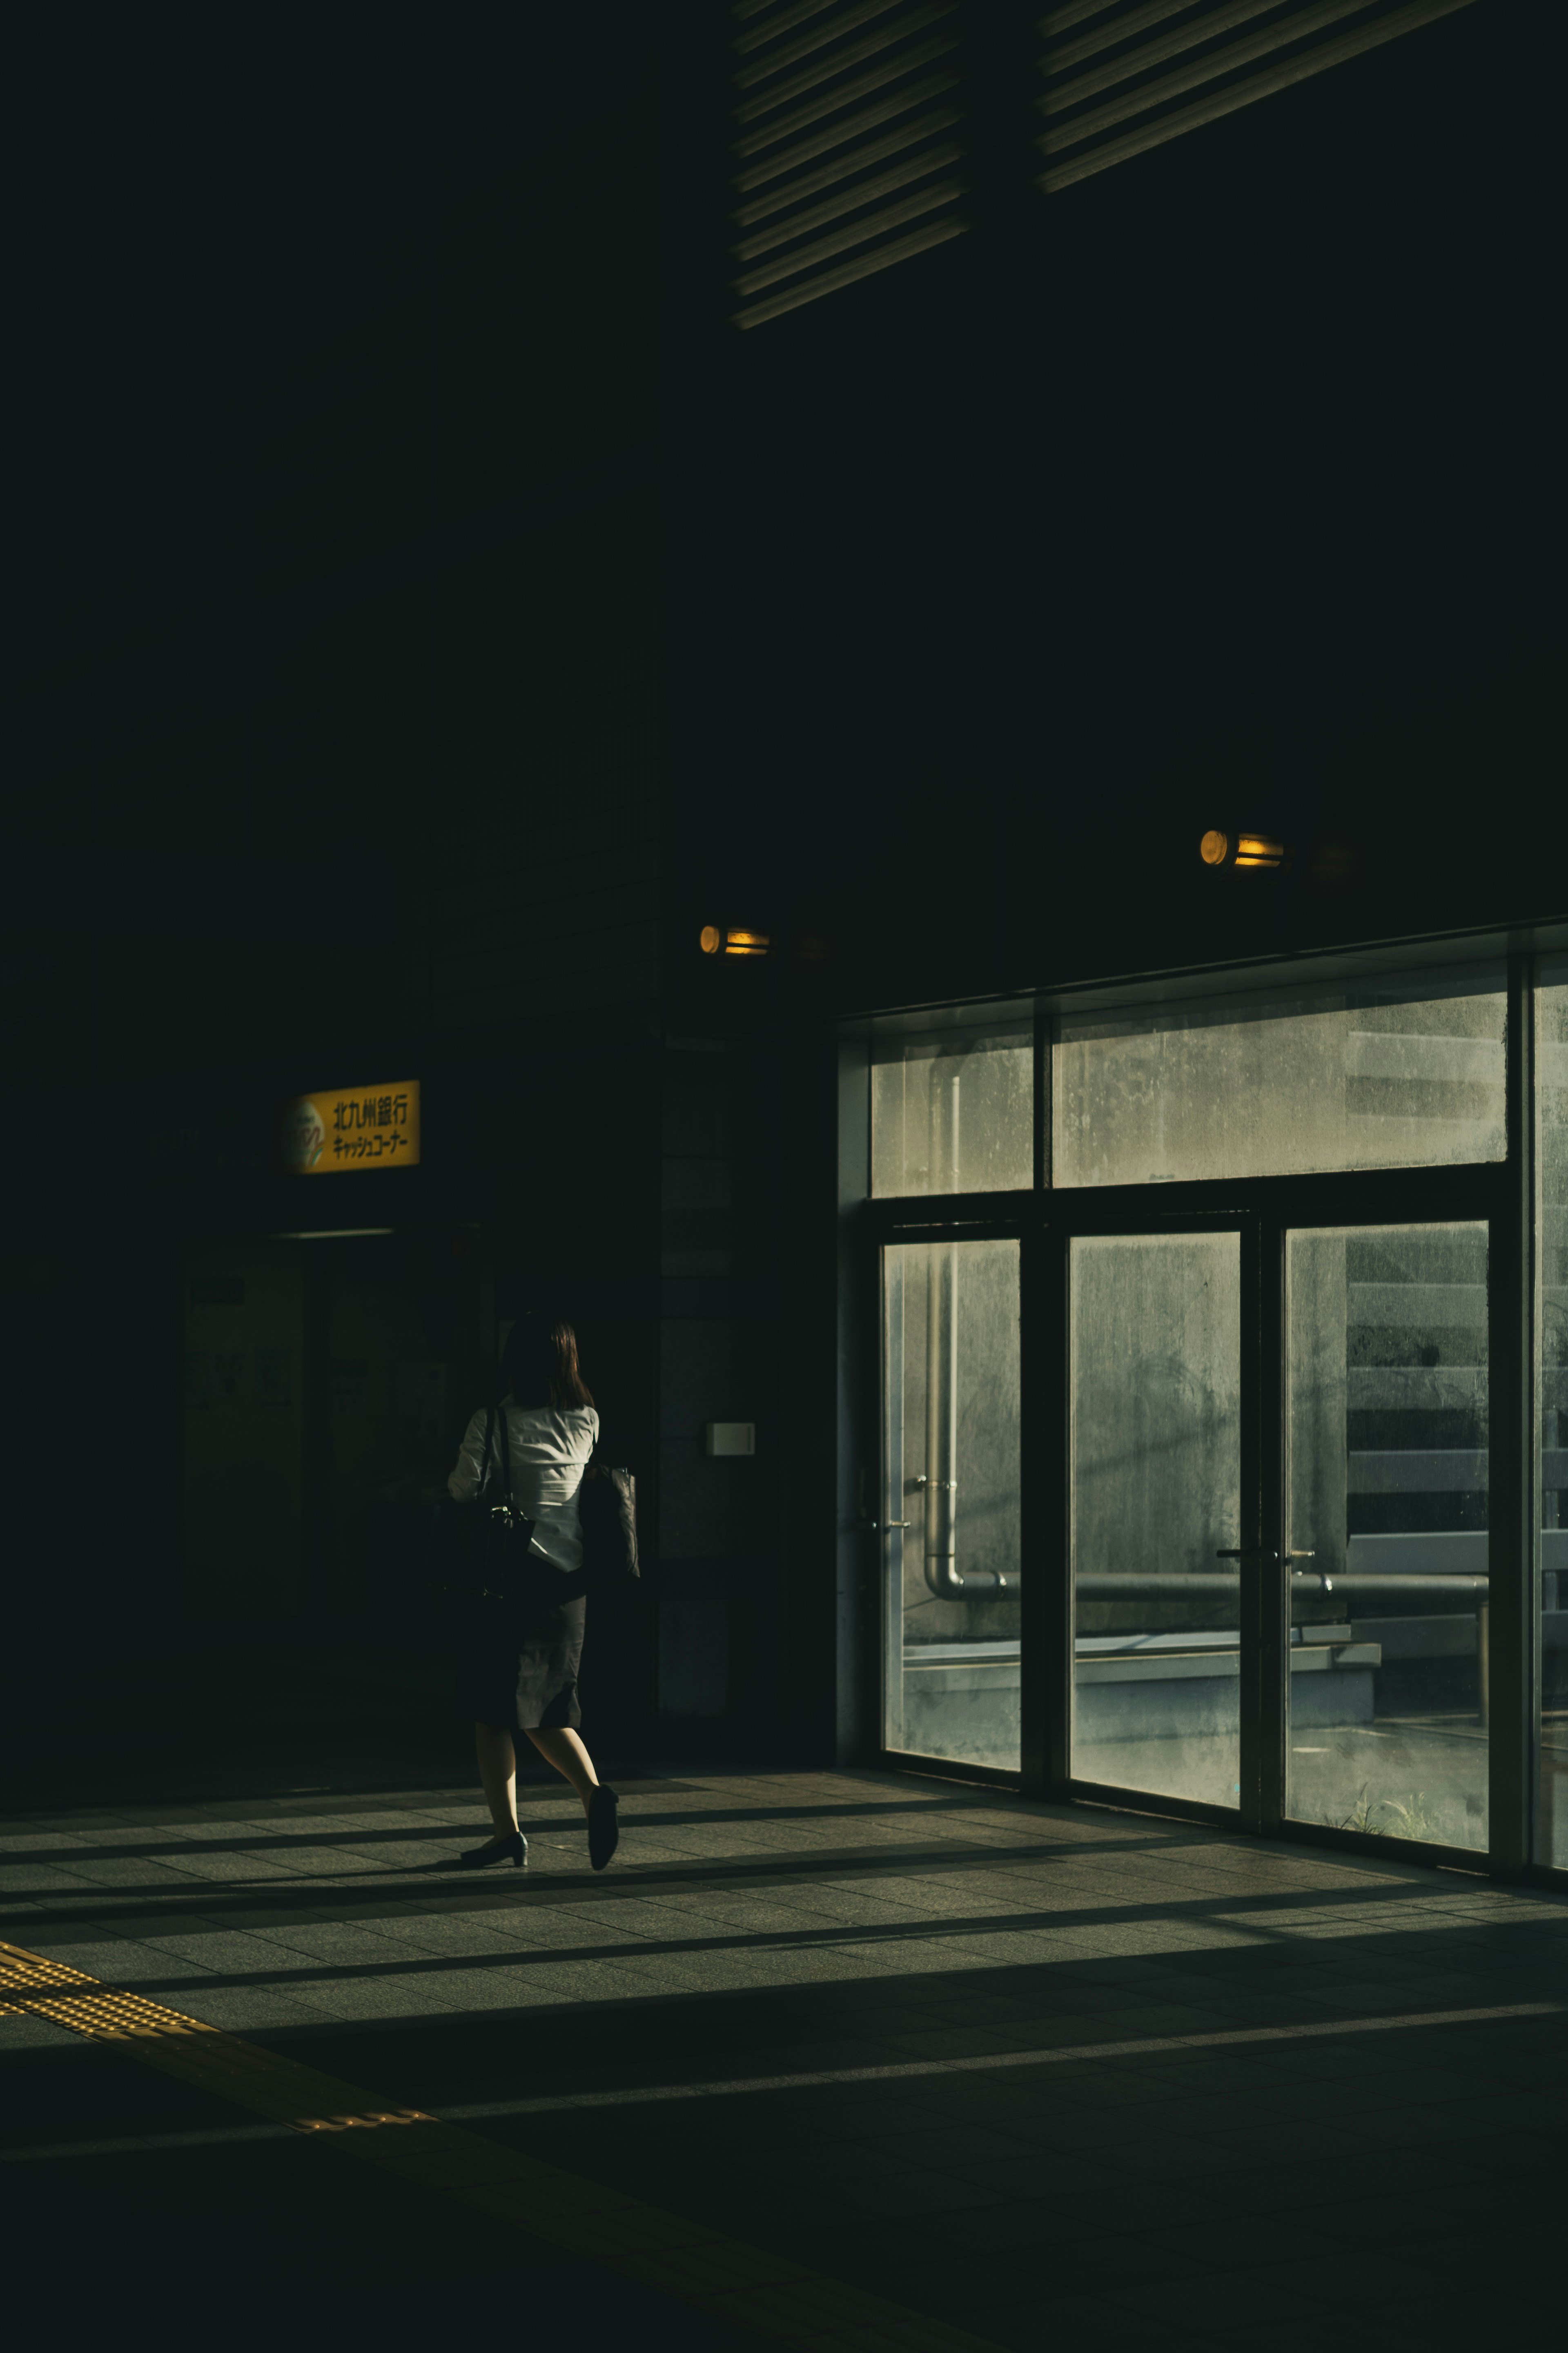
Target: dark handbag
column 607, row 1509
column 488, row 1538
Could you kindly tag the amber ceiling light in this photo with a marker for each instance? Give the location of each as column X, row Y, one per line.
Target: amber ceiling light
column 714, row 940
column 1217, row 848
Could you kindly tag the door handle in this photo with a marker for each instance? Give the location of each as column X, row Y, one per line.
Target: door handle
column 883, row 1524
column 1261, row 1552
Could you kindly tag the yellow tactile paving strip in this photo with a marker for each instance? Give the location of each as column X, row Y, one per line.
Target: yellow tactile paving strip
column 724, row 2277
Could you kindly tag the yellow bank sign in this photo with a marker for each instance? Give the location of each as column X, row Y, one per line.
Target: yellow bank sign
column 358, row 1128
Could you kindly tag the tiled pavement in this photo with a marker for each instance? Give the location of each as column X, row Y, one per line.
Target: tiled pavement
column 1054, row 2074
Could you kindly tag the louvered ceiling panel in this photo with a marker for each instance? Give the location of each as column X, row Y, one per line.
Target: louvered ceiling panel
column 1124, row 75
column 848, row 146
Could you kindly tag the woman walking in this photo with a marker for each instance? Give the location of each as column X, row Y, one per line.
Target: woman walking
column 521, row 1674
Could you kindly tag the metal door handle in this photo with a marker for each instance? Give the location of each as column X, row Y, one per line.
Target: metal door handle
column 883, row 1524
column 1261, row 1552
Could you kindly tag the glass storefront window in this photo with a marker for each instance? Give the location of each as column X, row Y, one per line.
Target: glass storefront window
column 1391, row 1659
column 1404, row 1076
column 951, row 1453
column 954, row 1114
column 1156, row 1347
column 1388, row 1417
column 1551, row 1373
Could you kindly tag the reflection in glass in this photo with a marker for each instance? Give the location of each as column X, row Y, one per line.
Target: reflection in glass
column 1551, row 1324
column 951, row 1384
column 1406, row 1076
column 954, row 1114
column 1386, row 1376
column 1155, row 1358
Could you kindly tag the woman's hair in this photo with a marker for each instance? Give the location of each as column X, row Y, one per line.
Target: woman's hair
column 538, row 1365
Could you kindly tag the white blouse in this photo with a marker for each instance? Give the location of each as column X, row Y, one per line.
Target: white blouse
column 549, row 1450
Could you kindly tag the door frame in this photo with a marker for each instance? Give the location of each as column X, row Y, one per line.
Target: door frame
column 882, row 1231
column 1263, row 1210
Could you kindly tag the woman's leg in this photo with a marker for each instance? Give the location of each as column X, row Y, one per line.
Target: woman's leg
column 497, row 1771
column 565, row 1751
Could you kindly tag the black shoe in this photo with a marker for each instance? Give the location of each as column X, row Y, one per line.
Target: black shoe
column 496, row 1850
column 604, row 1830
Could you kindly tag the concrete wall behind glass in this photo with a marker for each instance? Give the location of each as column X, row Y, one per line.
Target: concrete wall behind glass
column 1403, row 1077
column 1156, row 1404
column 954, row 1115
column 952, row 1451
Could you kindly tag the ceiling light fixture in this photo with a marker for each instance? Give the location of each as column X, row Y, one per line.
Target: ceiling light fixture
column 715, row 940
column 1219, row 847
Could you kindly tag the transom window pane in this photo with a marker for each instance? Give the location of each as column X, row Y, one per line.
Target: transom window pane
column 1403, row 1076
column 954, row 1114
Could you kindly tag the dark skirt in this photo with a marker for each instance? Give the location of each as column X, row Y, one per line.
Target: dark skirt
column 518, row 1672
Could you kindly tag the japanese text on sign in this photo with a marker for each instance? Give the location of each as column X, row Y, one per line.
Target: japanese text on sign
column 352, row 1128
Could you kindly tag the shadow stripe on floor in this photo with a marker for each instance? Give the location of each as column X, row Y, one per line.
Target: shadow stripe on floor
column 723, row 2277
column 364, row 1889
column 312, row 1967
column 717, row 1818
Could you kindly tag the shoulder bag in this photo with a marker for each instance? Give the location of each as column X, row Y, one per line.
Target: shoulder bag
column 489, row 1557
column 607, row 1509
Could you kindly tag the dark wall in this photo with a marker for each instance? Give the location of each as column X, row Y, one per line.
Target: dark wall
column 392, row 769
column 1211, row 488
column 927, row 625
column 648, row 1190
column 639, row 1192
column 376, row 790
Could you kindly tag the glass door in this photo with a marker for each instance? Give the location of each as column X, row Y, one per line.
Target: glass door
column 1155, row 1376
column 1387, row 1482
column 1353, row 1638
column 1291, row 1628
column 951, row 1500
